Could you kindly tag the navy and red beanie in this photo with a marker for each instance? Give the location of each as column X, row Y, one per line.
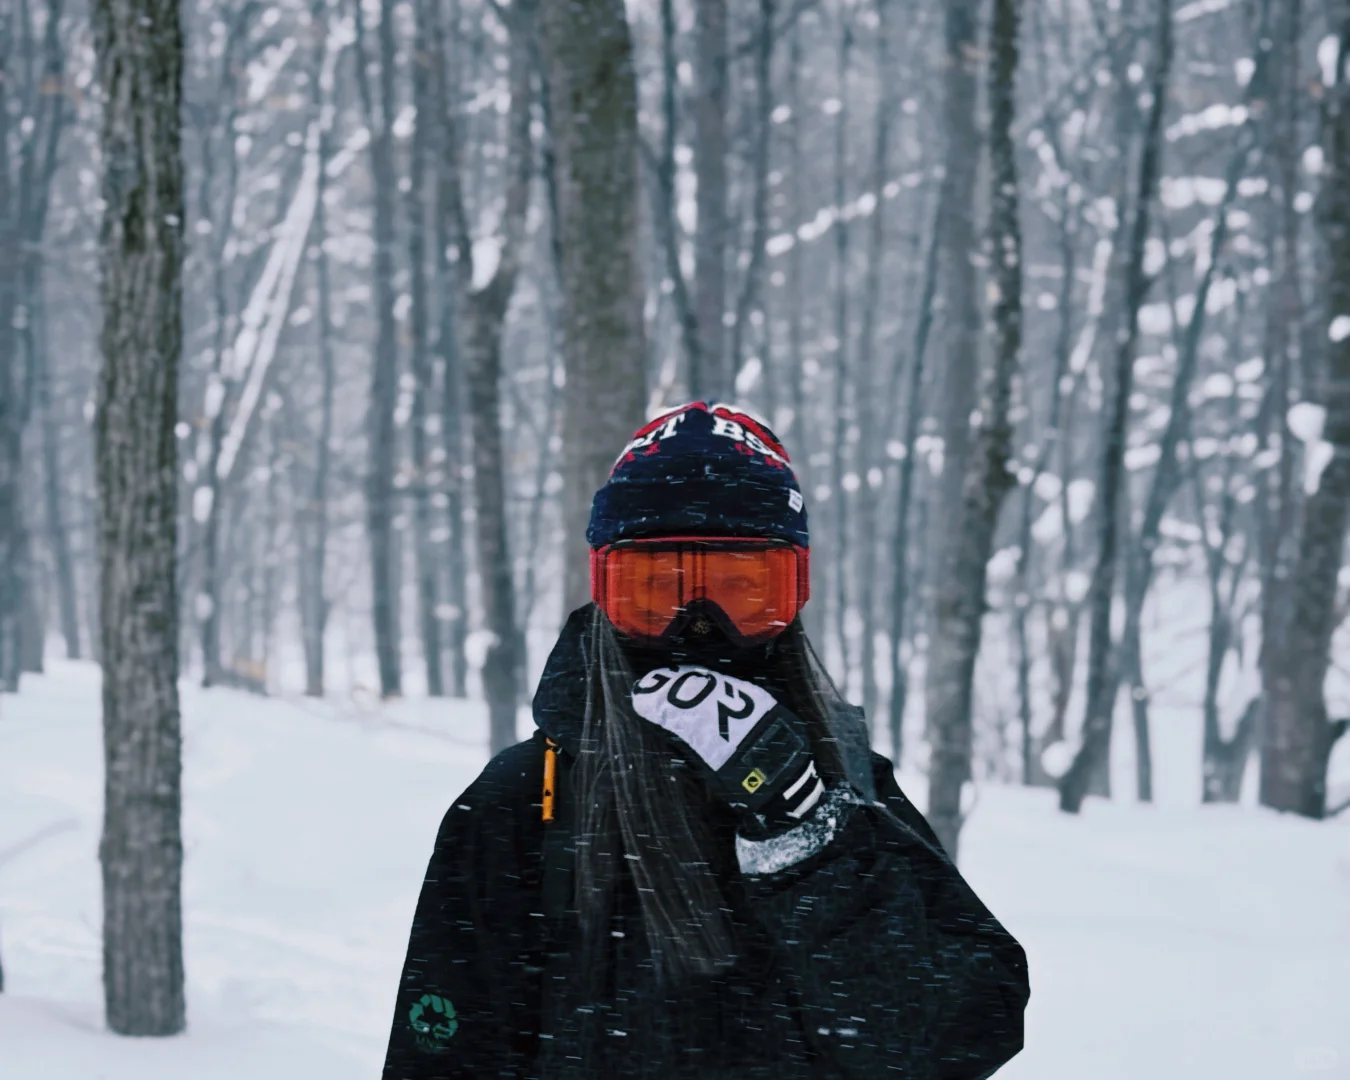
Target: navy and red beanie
column 700, row 470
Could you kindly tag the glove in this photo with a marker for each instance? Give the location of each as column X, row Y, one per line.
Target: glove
column 755, row 753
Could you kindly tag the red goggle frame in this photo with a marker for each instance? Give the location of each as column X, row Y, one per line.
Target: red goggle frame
column 643, row 586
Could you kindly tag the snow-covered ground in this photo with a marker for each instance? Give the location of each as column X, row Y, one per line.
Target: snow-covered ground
column 1165, row 942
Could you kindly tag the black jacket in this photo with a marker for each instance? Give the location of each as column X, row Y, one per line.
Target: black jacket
column 872, row 958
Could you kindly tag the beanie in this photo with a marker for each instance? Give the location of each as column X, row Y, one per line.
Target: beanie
column 700, row 470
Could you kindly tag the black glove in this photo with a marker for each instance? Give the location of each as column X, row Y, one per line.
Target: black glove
column 755, row 753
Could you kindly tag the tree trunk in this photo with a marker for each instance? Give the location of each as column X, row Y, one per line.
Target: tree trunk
column 58, row 535
column 900, row 579
column 813, row 615
column 961, row 602
column 139, row 47
column 1224, row 760
column 207, row 499
column 482, row 316
column 381, row 433
column 713, row 378
column 1299, row 736
column 11, row 411
column 588, row 54
column 961, row 321
column 35, row 188
column 867, row 381
column 1101, row 690
column 447, row 226
column 748, row 298
column 314, row 544
column 1277, row 500
column 664, row 212
column 424, row 477
column 959, row 247
column 841, row 456
column 32, row 612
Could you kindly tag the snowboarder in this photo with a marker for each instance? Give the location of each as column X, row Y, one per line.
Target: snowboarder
column 696, row 867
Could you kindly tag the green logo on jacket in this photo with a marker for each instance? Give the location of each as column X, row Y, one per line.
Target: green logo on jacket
column 433, row 1022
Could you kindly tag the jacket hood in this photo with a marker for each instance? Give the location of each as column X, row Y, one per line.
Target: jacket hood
column 560, row 701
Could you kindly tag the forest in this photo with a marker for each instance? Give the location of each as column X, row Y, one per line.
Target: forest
column 321, row 321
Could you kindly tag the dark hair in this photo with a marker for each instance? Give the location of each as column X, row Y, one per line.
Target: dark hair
column 641, row 808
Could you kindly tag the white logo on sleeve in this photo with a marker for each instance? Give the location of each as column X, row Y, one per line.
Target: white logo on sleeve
column 796, row 501
column 711, row 712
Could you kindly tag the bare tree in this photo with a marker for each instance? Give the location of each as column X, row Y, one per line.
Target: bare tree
column 1101, row 684
column 841, row 455
column 26, row 174
column 448, row 204
column 11, row 413
column 1225, row 759
column 1299, row 735
column 1278, row 505
column 959, row 282
column 34, row 203
column 481, row 313
column 139, row 47
column 593, row 109
column 381, row 433
column 419, row 320
column 901, row 578
column 711, row 375
column 960, row 602
column 868, row 384
column 315, row 512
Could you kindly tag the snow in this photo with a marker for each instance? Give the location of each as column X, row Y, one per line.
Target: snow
column 1306, row 421
column 1213, row 118
column 1142, row 457
column 1170, row 941
column 1340, row 329
column 1200, row 8
column 1320, row 454
column 1328, row 54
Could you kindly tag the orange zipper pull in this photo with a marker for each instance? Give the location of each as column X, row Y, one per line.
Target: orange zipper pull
column 550, row 776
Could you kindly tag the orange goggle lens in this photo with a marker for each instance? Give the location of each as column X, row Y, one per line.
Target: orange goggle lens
column 643, row 586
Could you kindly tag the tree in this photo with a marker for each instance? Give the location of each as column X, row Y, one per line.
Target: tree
column 481, row 310
column 381, row 433
column 26, row 174
column 314, row 514
column 1299, row 734
column 448, row 204
column 11, row 417
column 588, row 57
column 960, row 605
column 139, row 49
column 424, row 127
column 1101, row 688
column 711, row 375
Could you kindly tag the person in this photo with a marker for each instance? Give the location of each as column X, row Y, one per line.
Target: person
column 696, row 867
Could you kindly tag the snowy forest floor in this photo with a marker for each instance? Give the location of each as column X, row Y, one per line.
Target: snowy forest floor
column 1165, row 942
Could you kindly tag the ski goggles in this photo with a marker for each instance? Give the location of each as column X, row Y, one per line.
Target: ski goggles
column 645, row 586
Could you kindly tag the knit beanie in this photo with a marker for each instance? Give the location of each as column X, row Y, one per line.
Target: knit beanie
column 700, row 470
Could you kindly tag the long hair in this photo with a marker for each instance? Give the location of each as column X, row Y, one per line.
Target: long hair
column 641, row 809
